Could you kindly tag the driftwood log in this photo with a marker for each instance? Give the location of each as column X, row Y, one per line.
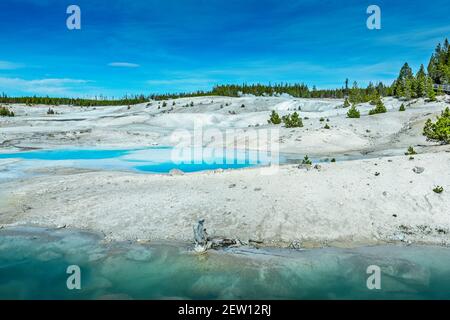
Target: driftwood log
column 200, row 234
column 203, row 242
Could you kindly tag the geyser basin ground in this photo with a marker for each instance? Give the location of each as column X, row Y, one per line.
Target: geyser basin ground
column 33, row 265
column 342, row 203
column 348, row 203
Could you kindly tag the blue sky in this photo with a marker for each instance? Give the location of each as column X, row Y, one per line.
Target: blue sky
column 158, row 46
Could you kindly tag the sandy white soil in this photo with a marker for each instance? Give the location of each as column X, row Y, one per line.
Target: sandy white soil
column 342, row 203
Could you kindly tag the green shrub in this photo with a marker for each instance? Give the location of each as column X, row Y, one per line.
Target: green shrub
column 293, row 121
column 243, row 106
column 333, row 160
column 402, row 107
column 379, row 108
column 353, row 112
column 192, row 103
column 438, row 189
column 410, row 152
column 439, row 131
column 5, row 112
column 164, row 104
column 322, row 119
column 274, row 118
column 327, row 127
column 306, row 161
column 50, row 111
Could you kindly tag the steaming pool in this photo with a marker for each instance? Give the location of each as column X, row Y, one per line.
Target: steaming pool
column 148, row 160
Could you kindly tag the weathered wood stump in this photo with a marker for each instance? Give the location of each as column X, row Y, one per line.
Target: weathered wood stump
column 203, row 242
column 201, row 237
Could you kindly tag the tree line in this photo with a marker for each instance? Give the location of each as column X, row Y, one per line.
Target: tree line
column 439, row 65
column 302, row 91
column 74, row 101
column 410, row 86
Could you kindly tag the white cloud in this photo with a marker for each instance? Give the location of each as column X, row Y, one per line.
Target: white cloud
column 62, row 86
column 8, row 65
column 123, row 65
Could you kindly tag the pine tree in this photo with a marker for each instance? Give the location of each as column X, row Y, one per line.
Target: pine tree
column 353, row 112
column 380, row 108
column 274, row 118
column 346, row 87
column 293, row 121
column 411, row 151
column 306, row 161
column 430, row 89
column 438, row 67
column 402, row 107
column 296, row 120
column 408, row 87
column 375, row 98
column 371, row 92
column 404, row 83
column 440, row 130
column 421, row 82
column 355, row 96
column 432, row 68
column 406, row 72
